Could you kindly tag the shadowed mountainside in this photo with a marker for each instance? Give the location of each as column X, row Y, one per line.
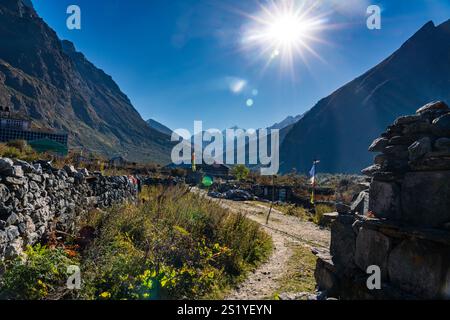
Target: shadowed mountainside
column 340, row 127
column 49, row 81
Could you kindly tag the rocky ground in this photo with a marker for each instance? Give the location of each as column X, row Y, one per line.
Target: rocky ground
column 287, row 232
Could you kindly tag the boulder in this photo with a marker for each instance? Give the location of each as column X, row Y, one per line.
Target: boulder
column 13, row 181
column 372, row 248
column 402, row 140
column 387, row 176
column 436, row 106
column 398, row 165
column 84, row 172
column 5, row 165
column 342, row 208
column 17, row 172
column 378, row 145
column 5, row 211
column 438, row 153
column 3, row 237
column 44, row 165
column 442, row 144
column 419, row 149
column 357, row 225
column 26, row 167
column 418, row 267
column 325, row 275
column 38, row 168
column 380, row 159
column 14, row 248
column 12, row 232
column 384, row 200
column 34, row 177
column 407, row 120
column 79, row 178
column 421, row 127
column 441, row 125
column 397, row 152
column 13, row 219
column 431, row 163
column 70, row 170
column 343, row 240
column 394, row 130
column 370, row 171
column 328, row 218
column 425, row 198
column 238, row 195
column 4, row 193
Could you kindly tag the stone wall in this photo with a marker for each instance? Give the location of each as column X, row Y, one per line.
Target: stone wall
column 405, row 227
column 35, row 198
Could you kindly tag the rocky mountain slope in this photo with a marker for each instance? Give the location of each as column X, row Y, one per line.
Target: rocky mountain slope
column 159, row 127
column 288, row 122
column 340, row 127
column 48, row 80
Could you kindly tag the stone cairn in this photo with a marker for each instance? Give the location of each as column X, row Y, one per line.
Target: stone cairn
column 36, row 198
column 402, row 223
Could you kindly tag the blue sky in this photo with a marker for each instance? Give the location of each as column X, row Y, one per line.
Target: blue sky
column 180, row 60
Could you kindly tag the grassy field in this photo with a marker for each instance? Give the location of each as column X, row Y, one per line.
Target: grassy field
column 174, row 245
column 300, row 275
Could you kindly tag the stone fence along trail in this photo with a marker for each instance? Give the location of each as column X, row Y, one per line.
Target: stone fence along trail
column 35, row 197
column 402, row 225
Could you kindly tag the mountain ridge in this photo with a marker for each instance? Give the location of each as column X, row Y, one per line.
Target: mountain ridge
column 339, row 127
column 46, row 79
column 159, row 127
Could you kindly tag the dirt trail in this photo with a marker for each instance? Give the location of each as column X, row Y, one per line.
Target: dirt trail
column 284, row 230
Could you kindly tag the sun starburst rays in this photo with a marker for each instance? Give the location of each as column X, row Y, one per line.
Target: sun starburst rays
column 285, row 30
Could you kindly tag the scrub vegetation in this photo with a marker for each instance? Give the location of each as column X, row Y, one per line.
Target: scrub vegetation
column 173, row 245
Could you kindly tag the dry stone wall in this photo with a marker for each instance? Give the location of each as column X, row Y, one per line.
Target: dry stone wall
column 402, row 223
column 35, row 197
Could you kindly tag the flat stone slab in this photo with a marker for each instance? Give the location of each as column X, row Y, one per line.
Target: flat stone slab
column 396, row 230
column 425, row 198
column 372, row 248
column 384, row 200
column 418, row 267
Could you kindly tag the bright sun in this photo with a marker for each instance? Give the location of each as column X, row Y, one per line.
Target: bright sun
column 284, row 30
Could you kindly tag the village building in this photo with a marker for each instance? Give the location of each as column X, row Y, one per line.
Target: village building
column 16, row 128
column 215, row 170
column 277, row 193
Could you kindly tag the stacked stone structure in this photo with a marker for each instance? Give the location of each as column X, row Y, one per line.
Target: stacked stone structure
column 402, row 223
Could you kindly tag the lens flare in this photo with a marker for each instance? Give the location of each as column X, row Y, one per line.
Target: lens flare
column 285, row 30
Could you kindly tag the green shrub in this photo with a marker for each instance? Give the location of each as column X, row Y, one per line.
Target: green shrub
column 320, row 210
column 297, row 211
column 41, row 274
column 240, row 171
column 176, row 245
column 18, row 149
column 21, row 145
